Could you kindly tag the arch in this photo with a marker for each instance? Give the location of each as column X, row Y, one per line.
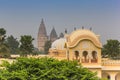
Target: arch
column 94, row 57
column 79, row 35
column 106, row 76
column 76, row 56
column 117, row 77
column 85, row 57
column 84, row 37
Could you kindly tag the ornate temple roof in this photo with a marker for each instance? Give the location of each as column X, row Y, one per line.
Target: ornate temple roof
column 42, row 29
column 53, row 33
column 81, row 34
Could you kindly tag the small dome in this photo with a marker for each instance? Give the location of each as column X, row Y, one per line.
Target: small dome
column 58, row 44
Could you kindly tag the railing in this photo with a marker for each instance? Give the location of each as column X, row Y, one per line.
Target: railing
column 111, row 62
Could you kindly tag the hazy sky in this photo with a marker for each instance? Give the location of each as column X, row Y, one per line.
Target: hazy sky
column 23, row 17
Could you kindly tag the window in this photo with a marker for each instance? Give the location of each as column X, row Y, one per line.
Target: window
column 76, row 56
column 85, row 57
column 94, row 57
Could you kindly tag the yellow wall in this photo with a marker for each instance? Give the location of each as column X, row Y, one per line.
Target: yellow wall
column 84, row 40
column 114, row 75
column 58, row 54
column 85, row 45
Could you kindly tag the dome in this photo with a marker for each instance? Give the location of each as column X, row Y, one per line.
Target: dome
column 82, row 34
column 58, row 44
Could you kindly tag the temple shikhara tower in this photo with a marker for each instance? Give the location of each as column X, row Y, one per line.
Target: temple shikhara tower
column 53, row 35
column 43, row 37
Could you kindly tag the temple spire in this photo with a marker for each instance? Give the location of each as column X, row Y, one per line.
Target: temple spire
column 42, row 21
column 42, row 36
column 42, row 29
column 53, row 35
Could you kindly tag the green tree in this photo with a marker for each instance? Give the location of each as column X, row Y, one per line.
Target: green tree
column 13, row 44
column 2, row 35
column 45, row 69
column 4, row 50
column 26, row 46
column 36, row 51
column 111, row 49
column 47, row 46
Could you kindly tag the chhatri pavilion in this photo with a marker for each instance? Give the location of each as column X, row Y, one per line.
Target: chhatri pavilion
column 85, row 47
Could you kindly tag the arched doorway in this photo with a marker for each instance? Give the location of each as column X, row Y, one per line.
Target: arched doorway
column 94, row 57
column 76, row 56
column 85, row 57
column 106, row 76
column 117, row 77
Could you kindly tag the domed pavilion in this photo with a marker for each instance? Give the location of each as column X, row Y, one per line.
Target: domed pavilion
column 84, row 46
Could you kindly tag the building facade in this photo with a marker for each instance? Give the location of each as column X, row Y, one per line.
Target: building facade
column 85, row 47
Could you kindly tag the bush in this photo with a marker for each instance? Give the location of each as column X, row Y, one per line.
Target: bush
column 45, row 69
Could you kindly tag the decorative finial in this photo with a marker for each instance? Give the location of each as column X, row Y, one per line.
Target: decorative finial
column 74, row 28
column 90, row 28
column 42, row 21
column 61, row 35
column 66, row 31
column 82, row 27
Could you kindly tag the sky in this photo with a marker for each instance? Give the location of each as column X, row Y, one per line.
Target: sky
column 23, row 17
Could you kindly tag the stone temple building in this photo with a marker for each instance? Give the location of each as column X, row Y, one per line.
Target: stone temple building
column 43, row 37
column 84, row 46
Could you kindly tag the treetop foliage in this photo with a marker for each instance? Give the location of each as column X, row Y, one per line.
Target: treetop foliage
column 13, row 44
column 111, row 49
column 2, row 31
column 45, row 69
column 26, row 46
column 2, row 35
column 47, row 46
column 4, row 50
column 10, row 45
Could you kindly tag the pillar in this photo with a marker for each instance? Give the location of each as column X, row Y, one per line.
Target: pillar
column 112, row 75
